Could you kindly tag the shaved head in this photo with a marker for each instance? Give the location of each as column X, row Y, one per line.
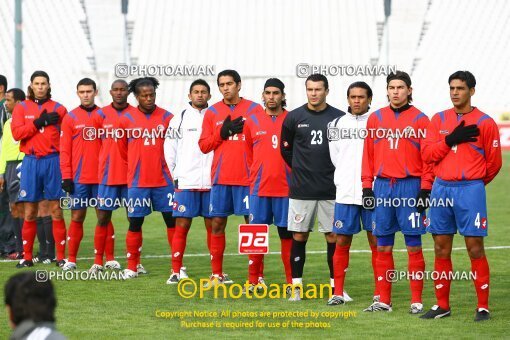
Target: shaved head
column 119, row 82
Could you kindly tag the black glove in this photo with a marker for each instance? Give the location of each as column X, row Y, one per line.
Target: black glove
column 423, row 200
column 462, row 134
column 231, row 127
column 68, row 185
column 46, row 119
column 368, row 199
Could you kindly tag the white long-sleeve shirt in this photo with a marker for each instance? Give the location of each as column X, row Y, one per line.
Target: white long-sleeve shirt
column 346, row 152
column 186, row 162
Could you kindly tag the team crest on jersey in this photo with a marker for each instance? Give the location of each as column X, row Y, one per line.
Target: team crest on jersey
column 339, row 224
column 251, row 218
column 426, row 221
column 303, row 126
column 484, row 223
column 495, row 143
column 182, row 208
column 299, row 218
column 22, row 193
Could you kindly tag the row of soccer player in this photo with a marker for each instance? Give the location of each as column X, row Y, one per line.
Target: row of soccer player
column 270, row 166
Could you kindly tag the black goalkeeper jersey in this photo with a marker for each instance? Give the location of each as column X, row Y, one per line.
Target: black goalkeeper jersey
column 304, row 146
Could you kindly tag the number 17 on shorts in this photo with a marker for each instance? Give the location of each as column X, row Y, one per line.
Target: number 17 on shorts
column 253, row 239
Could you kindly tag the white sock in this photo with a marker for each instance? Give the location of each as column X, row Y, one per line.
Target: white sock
column 297, row 281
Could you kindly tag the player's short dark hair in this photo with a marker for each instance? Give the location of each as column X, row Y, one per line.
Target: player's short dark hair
column 135, row 84
column 231, row 73
column 17, row 94
column 30, row 298
column 122, row 81
column 200, row 82
column 400, row 75
column 362, row 85
column 3, row 81
column 30, row 92
column 87, row 82
column 318, row 77
column 464, row 76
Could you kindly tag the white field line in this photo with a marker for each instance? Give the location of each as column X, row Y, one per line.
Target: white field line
column 278, row 253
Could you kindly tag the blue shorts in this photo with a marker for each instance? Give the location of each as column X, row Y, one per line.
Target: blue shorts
column 395, row 207
column 82, row 196
column 348, row 219
column 40, row 179
column 111, row 197
column 269, row 210
column 229, row 199
column 142, row 201
column 189, row 204
column 458, row 205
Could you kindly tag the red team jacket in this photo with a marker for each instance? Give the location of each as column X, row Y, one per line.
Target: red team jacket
column 113, row 155
column 269, row 174
column 78, row 150
column 147, row 167
column 391, row 157
column 232, row 159
column 467, row 161
column 35, row 142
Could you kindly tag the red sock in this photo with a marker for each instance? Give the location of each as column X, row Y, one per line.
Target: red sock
column 133, row 245
column 74, row 238
column 109, row 247
column 286, row 244
column 480, row 268
column 28, row 233
column 217, row 251
column 416, row 265
column 261, row 267
column 140, row 243
column 374, row 259
column 340, row 264
column 254, row 263
column 99, row 244
column 209, row 231
column 59, row 234
column 442, row 285
column 170, row 236
column 384, row 264
column 178, row 247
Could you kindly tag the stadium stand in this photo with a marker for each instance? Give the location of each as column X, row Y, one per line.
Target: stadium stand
column 54, row 39
column 262, row 43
